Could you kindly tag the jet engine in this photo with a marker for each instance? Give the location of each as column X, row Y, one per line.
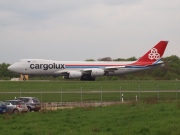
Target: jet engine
column 97, row 72
column 73, row 75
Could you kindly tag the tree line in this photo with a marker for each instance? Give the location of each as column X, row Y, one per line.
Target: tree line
column 170, row 71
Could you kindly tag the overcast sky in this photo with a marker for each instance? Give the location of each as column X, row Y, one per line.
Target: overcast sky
column 84, row 29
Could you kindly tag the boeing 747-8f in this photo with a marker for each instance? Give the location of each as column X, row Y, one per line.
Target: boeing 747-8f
column 86, row 70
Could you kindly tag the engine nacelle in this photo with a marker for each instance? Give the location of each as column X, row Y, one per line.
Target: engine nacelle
column 97, row 72
column 73, row 75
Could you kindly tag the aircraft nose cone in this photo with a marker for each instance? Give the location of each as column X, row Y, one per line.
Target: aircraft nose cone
column 12, row 68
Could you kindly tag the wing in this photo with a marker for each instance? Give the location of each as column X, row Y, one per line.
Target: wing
column 112, row 69
column 89, row 70
column 62, row 73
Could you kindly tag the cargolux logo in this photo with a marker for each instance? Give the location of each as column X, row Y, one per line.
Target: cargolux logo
column 154, row 54
column 47, row 66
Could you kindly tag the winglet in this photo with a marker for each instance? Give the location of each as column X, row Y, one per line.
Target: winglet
column 153, row 55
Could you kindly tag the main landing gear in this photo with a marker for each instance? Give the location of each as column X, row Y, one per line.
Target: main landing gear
column 87, row 78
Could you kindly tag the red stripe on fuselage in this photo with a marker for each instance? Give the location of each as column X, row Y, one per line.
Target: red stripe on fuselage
column 91, row 65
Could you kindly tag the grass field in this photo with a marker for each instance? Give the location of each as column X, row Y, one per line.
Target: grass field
column 86, row 86
column 150, row 116
column 135, row 118
column 61, row 88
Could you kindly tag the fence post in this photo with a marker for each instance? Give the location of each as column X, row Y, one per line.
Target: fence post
column 139, row 92
column 139, row 89
column 61, row 96
column 120, row 95
column 122, row 98
column 101, row 96
column 81, row 94
column 41, row 98
column 20, row 92
column 158, row 90
column 176, row 91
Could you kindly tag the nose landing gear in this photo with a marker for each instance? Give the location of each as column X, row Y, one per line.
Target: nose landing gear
column 23, row 77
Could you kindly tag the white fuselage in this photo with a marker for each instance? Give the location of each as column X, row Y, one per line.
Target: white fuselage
column 51, row 67
column 89, row 70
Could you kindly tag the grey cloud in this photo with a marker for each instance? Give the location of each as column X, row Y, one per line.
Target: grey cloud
column 78, row 30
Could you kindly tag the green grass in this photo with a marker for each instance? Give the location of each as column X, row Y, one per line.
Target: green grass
column 151, row 116
column 93, row 97
column 136, row 118
column 77, row 86
column 86, row 86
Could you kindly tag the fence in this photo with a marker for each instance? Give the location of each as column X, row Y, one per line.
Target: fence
column 94, row 96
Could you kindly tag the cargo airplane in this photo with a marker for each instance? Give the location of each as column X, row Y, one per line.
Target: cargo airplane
column 89, row 70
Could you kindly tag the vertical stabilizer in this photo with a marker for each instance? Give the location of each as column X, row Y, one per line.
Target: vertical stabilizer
column 153, row 55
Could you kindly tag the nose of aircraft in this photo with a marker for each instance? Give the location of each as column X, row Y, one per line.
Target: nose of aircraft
column 12, row 68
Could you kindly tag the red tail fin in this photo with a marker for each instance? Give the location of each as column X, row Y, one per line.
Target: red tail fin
column 153, row 54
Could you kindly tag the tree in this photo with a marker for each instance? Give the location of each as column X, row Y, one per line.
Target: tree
column 105, row 59
column 90, row 60
column 4, row 72
column 131, row 59
column 119, row 59
column 128, row 59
